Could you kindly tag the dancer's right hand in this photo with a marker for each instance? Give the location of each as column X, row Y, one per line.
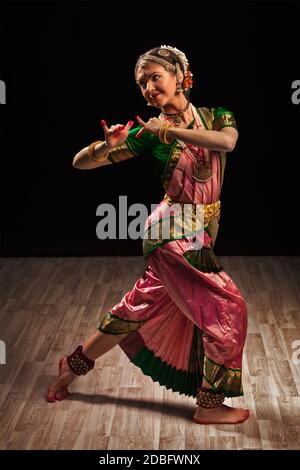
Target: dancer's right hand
column 116, row 135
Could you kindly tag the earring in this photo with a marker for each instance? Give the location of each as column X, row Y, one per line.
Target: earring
column 179, row 88
column 149, row 104
column 179, row 79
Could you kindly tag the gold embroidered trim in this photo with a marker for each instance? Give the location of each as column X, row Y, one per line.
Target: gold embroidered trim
column 120, row 153
column 117, row 326
column 227, row 380
column 224, row 120
column 210, row 210
column 173, row 160
column 207, row 115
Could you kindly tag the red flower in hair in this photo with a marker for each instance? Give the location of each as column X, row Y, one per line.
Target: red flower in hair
column 188, row 81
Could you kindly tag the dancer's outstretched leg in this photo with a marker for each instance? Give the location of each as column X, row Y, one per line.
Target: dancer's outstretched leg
column 208, row 413
column 95, row 346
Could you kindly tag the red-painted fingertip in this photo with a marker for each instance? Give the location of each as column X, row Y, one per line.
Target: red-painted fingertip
column 131, row 123
column 103, row 122
column 138, row 117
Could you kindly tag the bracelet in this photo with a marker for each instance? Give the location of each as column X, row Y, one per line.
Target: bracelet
column 91, row 152
column 163, row 133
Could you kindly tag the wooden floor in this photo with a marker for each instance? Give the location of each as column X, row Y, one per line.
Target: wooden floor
column 49, row 305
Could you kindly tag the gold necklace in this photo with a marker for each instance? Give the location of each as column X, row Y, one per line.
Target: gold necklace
column 202, row 171
column 177, row 117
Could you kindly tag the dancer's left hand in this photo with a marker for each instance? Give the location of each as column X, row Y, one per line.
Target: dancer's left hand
column 153, row 126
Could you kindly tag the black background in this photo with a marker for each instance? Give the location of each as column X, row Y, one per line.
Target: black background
column 67, row 65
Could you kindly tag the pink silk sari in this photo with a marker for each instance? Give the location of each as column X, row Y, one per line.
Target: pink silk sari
column 184, row 324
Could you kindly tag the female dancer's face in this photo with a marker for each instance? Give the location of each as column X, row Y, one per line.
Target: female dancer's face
column 157, row 85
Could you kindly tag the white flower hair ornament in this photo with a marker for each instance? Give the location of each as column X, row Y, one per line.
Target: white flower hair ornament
column 187, row 82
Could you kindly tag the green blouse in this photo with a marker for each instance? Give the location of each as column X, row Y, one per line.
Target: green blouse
column 149, row 144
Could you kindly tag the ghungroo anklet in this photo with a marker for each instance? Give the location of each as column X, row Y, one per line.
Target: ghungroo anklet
column 79, row 363
column 209, row 398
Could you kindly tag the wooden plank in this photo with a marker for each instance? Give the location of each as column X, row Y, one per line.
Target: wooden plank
column 50, row 305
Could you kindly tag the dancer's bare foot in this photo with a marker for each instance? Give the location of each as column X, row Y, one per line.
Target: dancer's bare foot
column 223, row 414
column 59, row 389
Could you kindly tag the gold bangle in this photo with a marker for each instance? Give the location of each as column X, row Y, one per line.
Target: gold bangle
column 165, row 136
column 165, row 125
column 166, row 141
column 91, row 152
column 163, row 133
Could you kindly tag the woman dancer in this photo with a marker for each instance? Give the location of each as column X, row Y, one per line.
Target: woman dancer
column 184, row 321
